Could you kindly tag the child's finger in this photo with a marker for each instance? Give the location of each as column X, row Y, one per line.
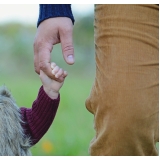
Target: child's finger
column 59, row 73
column 53, row 65
column 65, row 74
column 55, row 70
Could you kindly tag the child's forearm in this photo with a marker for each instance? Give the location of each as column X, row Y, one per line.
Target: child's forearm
column 39, row 118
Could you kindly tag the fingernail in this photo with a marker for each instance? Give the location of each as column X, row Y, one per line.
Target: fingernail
column 70, row 59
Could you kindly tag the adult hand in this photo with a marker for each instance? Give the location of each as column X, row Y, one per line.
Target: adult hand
column 50, row 32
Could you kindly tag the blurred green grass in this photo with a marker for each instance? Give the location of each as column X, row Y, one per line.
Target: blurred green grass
column 72, row 129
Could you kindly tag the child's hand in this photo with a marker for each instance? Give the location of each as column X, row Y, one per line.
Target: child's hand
column 52, row 86
column 59, row 73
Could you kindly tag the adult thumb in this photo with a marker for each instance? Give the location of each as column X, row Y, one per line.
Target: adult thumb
column 67, row 47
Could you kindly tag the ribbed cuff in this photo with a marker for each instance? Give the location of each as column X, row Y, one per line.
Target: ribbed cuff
column 54, row 10
column 42, row 95
column 44, row 105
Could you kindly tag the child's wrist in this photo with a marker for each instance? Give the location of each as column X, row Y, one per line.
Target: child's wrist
column 51, row 93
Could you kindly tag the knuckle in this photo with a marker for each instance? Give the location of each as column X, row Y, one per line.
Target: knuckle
column 38, row 44
column 36, row 68
column 68, row 47
column 42, row 65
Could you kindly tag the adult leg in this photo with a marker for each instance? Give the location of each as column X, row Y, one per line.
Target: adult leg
column 124, row 97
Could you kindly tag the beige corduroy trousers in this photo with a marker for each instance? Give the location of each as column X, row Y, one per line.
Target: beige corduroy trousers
column 125, row 95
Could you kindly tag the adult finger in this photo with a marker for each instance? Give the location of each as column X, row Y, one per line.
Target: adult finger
column 67, row 45
column 36, row 63
column 44, row 63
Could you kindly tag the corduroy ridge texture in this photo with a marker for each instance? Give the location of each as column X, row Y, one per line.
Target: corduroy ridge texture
column 124, row 97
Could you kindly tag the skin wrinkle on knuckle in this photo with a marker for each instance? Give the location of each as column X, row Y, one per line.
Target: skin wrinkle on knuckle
column 42, row 44
column 43, row 65
column 36, row 70
column 37, row 41
column 68, row 48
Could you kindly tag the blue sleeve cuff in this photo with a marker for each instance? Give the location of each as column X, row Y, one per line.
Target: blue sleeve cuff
column 54, row 10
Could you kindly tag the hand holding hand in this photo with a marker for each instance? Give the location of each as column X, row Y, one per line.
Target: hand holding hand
column 52, row 86
column 50, row 32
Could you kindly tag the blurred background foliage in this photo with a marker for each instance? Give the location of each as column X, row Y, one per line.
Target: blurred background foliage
column 72, row 129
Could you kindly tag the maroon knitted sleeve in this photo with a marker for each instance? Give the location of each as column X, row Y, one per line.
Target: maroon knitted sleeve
column 39, row 118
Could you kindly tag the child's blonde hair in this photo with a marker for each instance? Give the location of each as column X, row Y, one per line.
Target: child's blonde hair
column 13, row 141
